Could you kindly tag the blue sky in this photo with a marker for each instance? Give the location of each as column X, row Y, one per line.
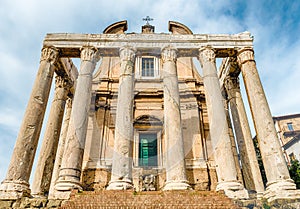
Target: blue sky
column 275, row 26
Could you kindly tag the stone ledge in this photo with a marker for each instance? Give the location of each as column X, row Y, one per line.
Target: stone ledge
column 30, row 203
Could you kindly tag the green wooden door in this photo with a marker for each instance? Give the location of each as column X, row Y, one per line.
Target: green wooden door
column 148, row 150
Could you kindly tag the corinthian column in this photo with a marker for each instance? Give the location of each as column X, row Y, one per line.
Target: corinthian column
column 43, row 173
column 279, row 185
column 121, row 178
column 61, row 147
column 70, row 171
column 251, row 172
column 175, row 164
column 16, row 183
column 218, row 127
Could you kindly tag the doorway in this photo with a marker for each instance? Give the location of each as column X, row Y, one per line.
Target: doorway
column 148, row 149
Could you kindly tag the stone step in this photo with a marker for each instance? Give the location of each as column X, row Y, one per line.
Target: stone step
column 154, row 199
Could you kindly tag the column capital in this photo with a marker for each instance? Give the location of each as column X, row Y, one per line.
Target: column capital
column 231, row 83
column 207, row 54
column 232, row 86
column 127, row 53
column 62, row 82
column 245, row 55
column 169, row 54
column 49, row 54
column 89, row 53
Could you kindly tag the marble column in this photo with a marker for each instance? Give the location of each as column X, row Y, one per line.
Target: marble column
column 16, row 183
column 61, row 147
column 279, row 185
column 218, row 127
column 70, row 171
column 250, row 168
column 175, row 163
column 45, row 164
column 121, row 177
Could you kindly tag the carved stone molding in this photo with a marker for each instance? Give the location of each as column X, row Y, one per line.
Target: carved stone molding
column 244, row 55
column 89, row 54
column 231, row 84
column 127, row 54
column 169, row 54
column 62, row 82
column 207, row 54
column 62, row 88
column 49, row 54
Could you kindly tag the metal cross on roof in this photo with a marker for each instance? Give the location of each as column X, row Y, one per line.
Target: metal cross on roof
column 147, row 19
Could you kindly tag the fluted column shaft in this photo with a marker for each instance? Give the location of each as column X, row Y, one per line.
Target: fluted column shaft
column 175, row 164
column 70, row 171
column 121, row 178
column 279, row 182
column 218, row 127
column 45, row 164
column 16, row 183
column 251, row 172
column 61, row 147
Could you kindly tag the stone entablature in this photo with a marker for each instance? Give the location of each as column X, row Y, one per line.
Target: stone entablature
column 145, row 44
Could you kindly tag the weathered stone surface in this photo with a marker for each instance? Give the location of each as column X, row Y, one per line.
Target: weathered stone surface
column 279, row 183
column 16, row 184
column 175, row 164
column 4, row 204
column 187, row 44
column 70, row 171
column 121, row 178
column 43, row 173
column 252, row 175
column 61, row 147
column 225, row 165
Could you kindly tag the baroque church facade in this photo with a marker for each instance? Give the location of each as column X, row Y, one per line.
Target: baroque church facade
column 138, row 115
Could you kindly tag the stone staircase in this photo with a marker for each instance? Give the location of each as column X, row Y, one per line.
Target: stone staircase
column 143, row 200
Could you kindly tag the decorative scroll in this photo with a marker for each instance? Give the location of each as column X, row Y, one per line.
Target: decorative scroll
column 89, row 54
column 169, row 54
column 127, row 54
column 244, row 55
column 232, row 85
column 49, row 54
column 207, row 54
column 62, row 82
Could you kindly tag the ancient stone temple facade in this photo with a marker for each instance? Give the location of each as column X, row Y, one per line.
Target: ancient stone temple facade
column 137, row 115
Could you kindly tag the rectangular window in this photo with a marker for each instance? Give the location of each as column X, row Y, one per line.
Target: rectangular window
column 147, row 67
column 290, row 126
column 148, row 150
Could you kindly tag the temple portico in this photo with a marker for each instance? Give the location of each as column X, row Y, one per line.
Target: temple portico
column 145, row 119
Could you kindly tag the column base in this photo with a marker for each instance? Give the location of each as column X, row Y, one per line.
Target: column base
column 233, row 189
column 285, row 189
column 120, row 185
column 12, row 190
column 176, row 185
column 63, row 189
